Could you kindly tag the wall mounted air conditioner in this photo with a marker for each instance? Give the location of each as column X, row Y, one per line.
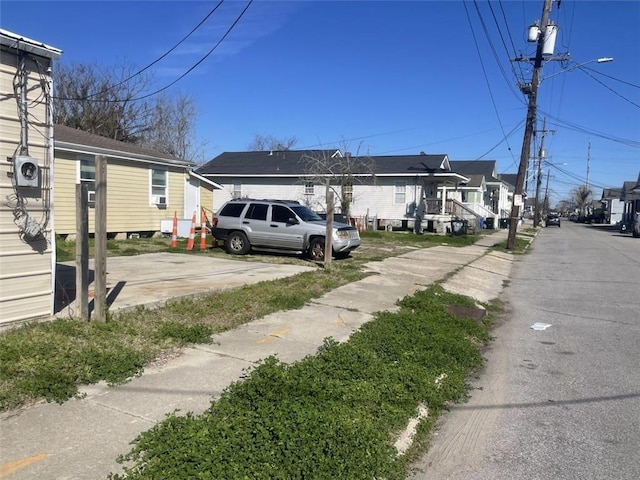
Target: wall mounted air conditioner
column 159, row 200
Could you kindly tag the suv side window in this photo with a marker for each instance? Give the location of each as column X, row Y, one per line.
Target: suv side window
column 281, row 214
column 233, row 210
column 257, row 211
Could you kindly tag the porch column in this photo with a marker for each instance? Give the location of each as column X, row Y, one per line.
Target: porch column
column 444, row 199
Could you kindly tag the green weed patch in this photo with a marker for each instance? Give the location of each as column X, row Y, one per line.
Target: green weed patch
column 335, row 414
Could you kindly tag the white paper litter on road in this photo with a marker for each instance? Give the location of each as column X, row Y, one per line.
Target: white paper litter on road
column 540, row 326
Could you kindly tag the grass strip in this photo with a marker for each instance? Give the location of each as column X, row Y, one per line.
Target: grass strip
column 51, row 360
column 331, row 415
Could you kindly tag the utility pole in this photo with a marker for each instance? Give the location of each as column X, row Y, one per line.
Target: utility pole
column 546, row 194
column 541, row 157
column 588, row 163
column 518, row 198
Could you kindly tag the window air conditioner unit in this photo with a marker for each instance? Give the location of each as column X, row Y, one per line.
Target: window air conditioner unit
column 159, row 200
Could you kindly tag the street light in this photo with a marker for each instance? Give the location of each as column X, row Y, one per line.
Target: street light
column 578, row 65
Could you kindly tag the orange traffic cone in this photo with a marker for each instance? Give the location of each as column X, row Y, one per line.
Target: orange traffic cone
column 192, row 233
column 174, row 234
column 203, row 230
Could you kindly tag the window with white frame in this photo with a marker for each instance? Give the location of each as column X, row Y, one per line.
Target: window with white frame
column 309, row 188
column 87, row 175
column 347, row 192
column 237, row 190
column 159, row 183
column 400, row 193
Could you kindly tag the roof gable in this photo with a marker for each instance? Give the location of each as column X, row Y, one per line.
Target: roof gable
column 611, row 193
column 476, row 167
column 475, row 181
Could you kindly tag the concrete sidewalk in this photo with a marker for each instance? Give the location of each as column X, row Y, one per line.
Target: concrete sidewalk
column 81, row 439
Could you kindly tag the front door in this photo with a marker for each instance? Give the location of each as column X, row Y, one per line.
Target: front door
column 285, row 234
column 192, row 198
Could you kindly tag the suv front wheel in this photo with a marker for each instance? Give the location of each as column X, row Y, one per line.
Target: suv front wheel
column 316, row 250
column 237, row 243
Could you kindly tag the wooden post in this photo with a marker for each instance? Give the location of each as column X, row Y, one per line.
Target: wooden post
column 100, row 257
column 82, row 251
column 328, row 239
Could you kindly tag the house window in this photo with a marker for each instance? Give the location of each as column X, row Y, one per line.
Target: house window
column 309, row 188
column 237, row 190
column 88, row 176
column 400, row 193
column 347, row 192
column 158, row 186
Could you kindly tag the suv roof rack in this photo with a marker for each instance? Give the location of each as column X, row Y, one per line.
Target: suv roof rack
column 275, row 200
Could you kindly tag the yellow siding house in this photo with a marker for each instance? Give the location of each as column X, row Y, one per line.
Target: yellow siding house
column 144, row 187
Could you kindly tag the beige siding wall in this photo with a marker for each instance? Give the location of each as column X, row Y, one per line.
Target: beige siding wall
column 129, row 207
column 206, row 197
column 26, row 276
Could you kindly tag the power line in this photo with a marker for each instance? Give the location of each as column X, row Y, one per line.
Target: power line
column 193, row 67
column 484, row 72
column 506, row 49
column 435, row 143
column 575, row 127
column 612, row 78
column 202, row 59
column 493, row 50
column 504, row 139
column 504, row 17
column 609, row 88
column 356, row 138
column 164, row 54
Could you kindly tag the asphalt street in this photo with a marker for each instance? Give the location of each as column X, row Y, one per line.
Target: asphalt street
column 562, row 402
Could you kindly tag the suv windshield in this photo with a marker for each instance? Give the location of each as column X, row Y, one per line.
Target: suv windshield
column 305, row 214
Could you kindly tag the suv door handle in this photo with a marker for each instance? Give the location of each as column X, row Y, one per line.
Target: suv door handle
column 245, row 222
column 273, row 225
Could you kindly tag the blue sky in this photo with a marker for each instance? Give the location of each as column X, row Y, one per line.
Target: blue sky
column 383, row 78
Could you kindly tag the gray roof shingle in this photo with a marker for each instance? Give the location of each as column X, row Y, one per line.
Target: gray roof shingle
column 65, row 136
column 293, row 162
column 476, row 167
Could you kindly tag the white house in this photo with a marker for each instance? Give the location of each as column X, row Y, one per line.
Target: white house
column 382, row 191
column 611, row 200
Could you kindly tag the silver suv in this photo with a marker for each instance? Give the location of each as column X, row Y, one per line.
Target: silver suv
column 279, row 225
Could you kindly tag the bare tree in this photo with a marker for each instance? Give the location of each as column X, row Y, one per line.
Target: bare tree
column 269, row 142
column 582, row 197
column 95, row 100
column 171, row 128
column 107, row 102
column 339, row 173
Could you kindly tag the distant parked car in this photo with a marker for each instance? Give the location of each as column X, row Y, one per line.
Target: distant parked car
column 280, row 226
column 553, row 218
